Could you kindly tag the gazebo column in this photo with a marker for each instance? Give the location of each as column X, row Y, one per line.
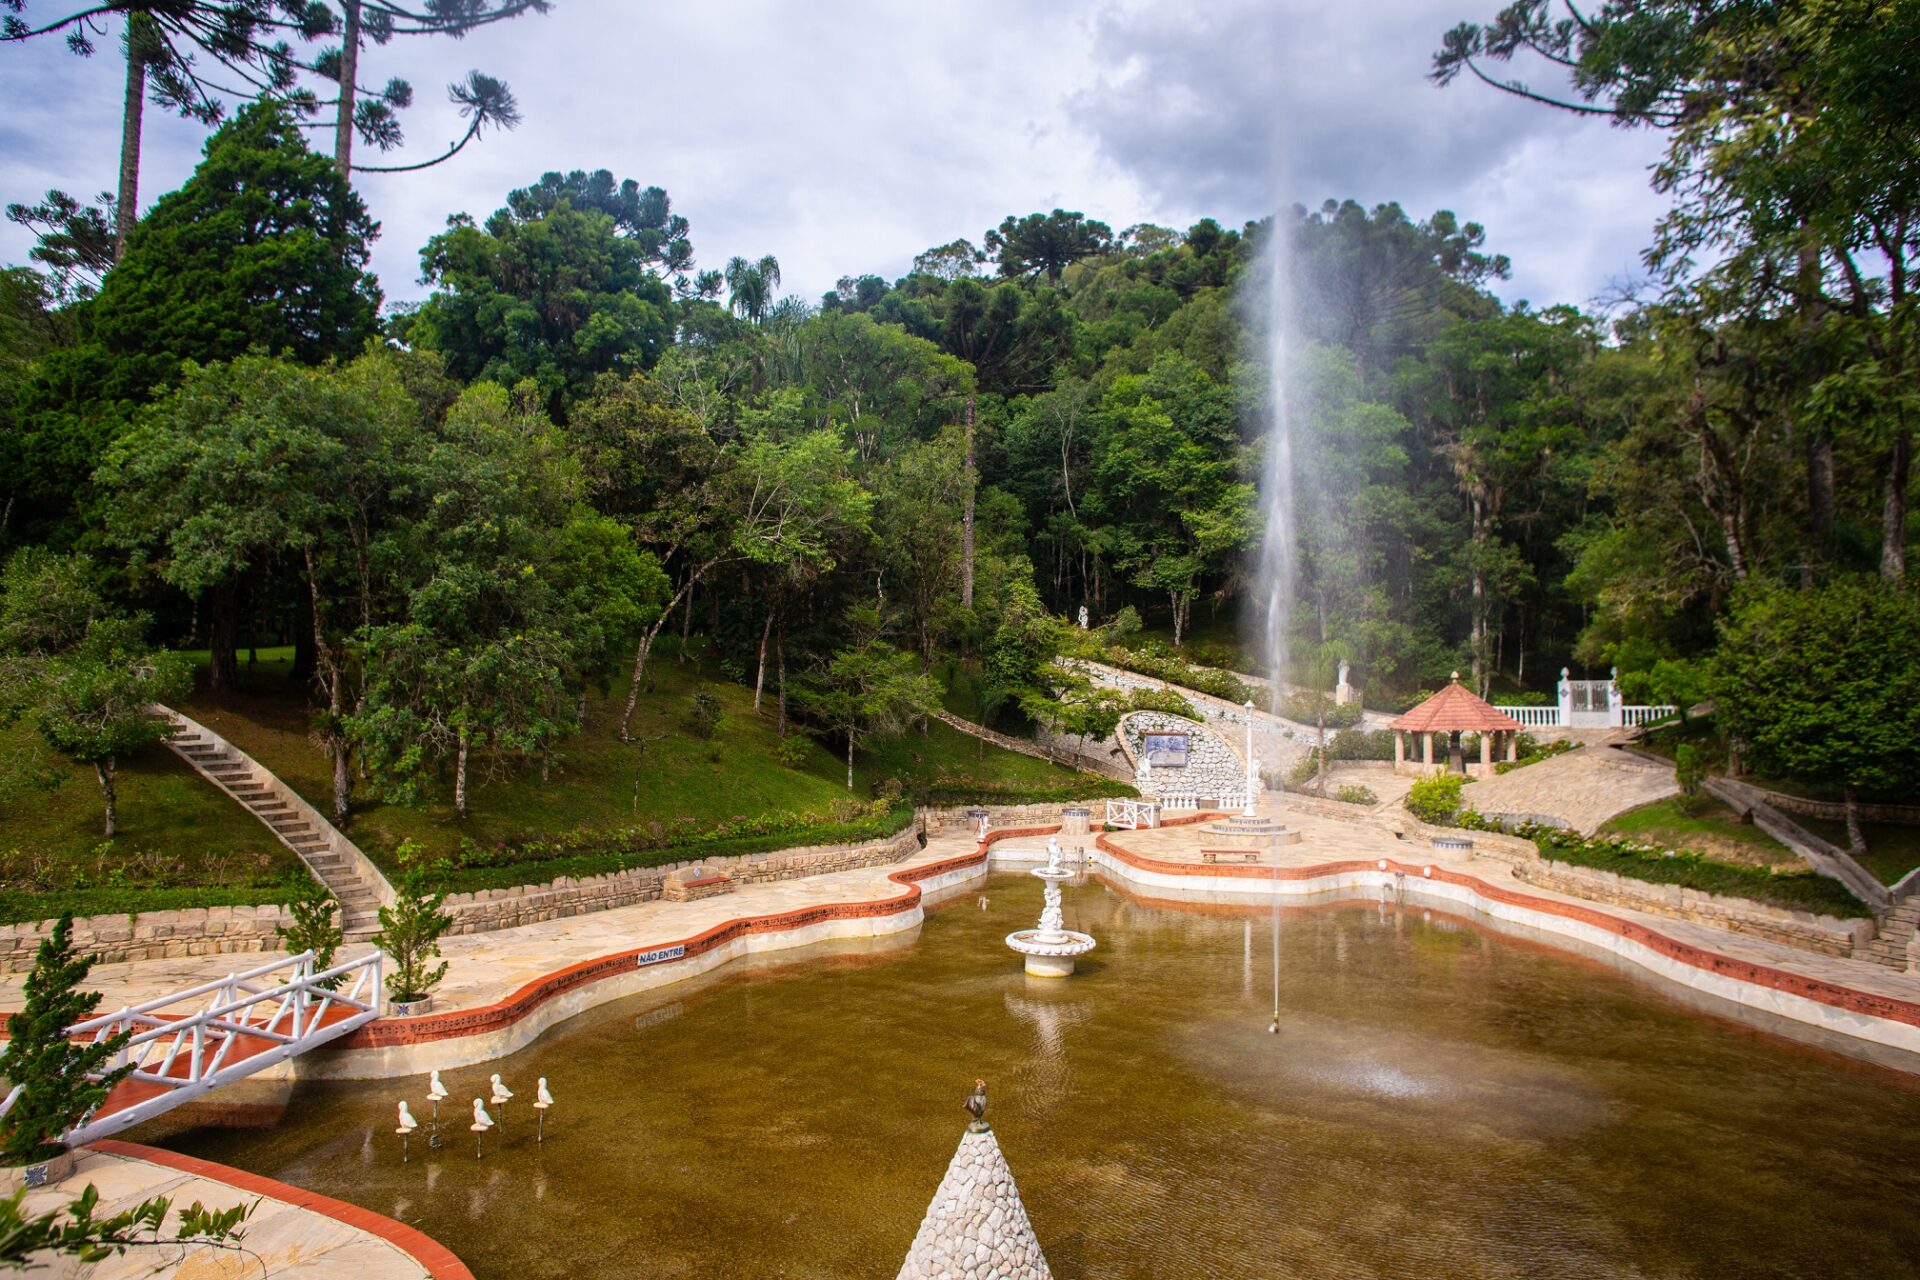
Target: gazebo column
column 1426, row 748
column 1486, row 752
column 1513, row 744
column 1399, row 750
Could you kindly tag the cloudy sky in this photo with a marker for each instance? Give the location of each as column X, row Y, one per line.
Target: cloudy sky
column 844, row 137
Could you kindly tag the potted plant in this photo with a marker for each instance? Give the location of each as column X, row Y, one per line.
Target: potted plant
column 54, row 1083
column 410, row 932
column 313, row 929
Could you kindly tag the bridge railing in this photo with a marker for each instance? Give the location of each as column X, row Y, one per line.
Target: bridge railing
column 1131, row 815
column 245, row 1023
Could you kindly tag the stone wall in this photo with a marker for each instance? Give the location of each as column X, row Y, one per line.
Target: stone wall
column 491, row 909
column 1803, row 929
column 1279, row 743
column 152, row 935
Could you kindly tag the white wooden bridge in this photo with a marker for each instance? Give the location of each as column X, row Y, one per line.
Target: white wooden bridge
column 189, row 1043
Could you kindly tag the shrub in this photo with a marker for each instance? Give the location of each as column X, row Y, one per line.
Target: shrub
column 1361, row 744
column 1688, row 770
column 793, row 751
column 1162, row 663
column 706, row 714
column 50, row 1070
column 1161, row 700
column 410, row 929
column 1306, row 709
column 1436, row 799
column 1353, row 794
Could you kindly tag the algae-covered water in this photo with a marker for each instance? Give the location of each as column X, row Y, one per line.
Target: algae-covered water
column 1440, row 1101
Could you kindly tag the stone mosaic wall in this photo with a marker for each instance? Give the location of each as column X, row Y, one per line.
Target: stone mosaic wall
column 1213, row 769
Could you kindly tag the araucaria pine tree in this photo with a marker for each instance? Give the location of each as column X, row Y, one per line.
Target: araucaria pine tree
column 60, row 1083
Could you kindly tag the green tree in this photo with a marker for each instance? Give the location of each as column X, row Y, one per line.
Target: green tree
column 1826, row 684
column 57, row 1082
column 545, row 291
column 314, row 928
column 644, row 216
column 868, row 687
column 751, row 286
column 85, row 676
column 1046, row 243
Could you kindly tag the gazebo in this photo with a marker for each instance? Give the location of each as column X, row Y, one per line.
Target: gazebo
column 1453, row 711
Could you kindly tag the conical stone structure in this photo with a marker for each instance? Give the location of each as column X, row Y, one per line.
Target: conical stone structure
column 976, row 1228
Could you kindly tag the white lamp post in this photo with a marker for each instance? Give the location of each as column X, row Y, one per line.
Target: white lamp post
column 1253, row 777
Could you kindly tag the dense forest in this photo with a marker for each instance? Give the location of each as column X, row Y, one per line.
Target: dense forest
column 467, row 512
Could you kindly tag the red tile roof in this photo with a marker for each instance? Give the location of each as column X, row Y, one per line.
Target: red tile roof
column 1455, row 709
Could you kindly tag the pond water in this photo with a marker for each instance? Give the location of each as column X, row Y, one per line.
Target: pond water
column 1440, row 1101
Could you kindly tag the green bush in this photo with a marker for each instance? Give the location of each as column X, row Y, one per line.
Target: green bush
column 1361, row 744
column 1306, row 709
column 410, row 929
column 706, row 714
column 794, row 751
column 1354, row 794
column 1688, row 770
column 1157, row 660
column 1436, row 799
column 314, row 927
column 1165, row 700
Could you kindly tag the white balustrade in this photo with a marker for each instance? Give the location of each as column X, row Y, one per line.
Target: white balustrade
column 1632, row 716
column 1533, row 717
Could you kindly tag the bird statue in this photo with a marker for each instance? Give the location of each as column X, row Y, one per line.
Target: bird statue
column 501, row 1095
column 542, row 1099
column 481, row 1123
column 407, row 1125
column 976, row 1105
column 435, row 1090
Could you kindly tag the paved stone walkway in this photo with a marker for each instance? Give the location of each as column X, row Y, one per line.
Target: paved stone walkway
column 1585, row 787
column 485, row 967
column 291, row 1242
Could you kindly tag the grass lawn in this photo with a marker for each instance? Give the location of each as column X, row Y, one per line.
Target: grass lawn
column 1706, row 826
column 1893, row 848
column 180, row 842
column 666, row 775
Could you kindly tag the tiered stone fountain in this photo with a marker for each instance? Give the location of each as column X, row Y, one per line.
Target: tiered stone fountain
column 1051, row 948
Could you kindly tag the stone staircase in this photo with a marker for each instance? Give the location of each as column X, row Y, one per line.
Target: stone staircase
column 1889, row 946
column 333, row 859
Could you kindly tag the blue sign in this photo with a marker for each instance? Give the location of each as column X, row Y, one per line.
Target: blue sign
column 646, row 958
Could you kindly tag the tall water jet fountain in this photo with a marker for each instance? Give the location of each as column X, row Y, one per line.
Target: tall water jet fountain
column 1278, row 553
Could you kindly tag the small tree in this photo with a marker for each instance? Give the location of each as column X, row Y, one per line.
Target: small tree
column 410, row 929
column 314, row 928
column 1435, row 799
column 58, row 1082
column 74, row 1231
column 1688, row 772
column 706, row 714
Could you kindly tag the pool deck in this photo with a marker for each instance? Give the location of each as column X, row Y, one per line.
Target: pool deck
column 290, row 1234
column 504, row 988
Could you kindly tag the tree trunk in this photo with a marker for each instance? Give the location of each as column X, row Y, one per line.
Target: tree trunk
column 760, row 674
column 966, row 520
column 304, row 662
column 223, row 637
column 849, row 759
column 1893, row 520
column 639, row 673
column 580, row 711
column 334, row 680
column 127, row 210
column 1856, row 838
column 780, row 670
column 1819, row 503
column 349, row 76
column 103, row 769
column 460, row 775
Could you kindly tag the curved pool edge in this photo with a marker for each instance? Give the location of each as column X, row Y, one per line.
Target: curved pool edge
column 392, row 1047
column 435, row 1259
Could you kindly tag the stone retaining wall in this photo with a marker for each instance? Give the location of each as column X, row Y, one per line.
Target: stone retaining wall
column 1803, row 929
column 1831, row 810
column 152, row 935
column 491, row 909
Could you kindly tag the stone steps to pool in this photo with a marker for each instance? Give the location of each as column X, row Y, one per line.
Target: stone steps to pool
column 333, row 859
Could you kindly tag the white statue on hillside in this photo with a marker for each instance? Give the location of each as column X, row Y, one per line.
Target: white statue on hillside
column 1083, row 617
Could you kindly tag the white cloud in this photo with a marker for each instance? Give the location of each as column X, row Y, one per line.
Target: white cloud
column 844, row 137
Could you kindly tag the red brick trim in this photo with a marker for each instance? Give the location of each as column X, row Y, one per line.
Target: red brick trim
column 438, row 1261
column 1818, row 990
column 457, row 1023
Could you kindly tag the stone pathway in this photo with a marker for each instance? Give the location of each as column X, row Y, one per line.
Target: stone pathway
column 289, row 1241
column 1584, row 787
